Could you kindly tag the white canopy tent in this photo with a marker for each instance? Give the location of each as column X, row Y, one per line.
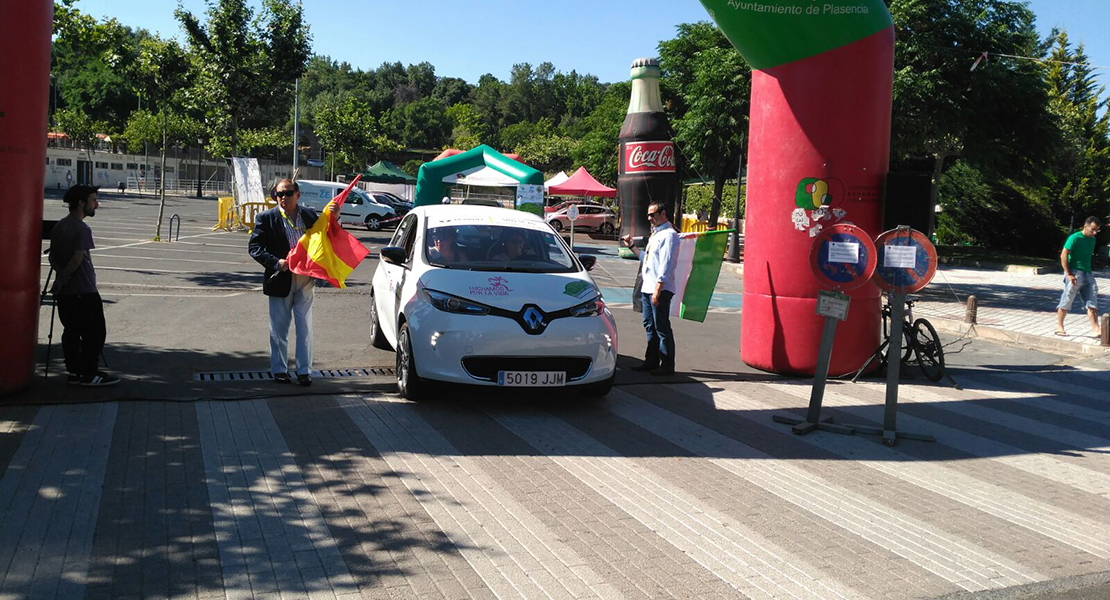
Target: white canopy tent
column 481, row 176
column 558, row 178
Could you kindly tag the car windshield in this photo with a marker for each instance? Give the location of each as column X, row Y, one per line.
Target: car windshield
column 497, row 248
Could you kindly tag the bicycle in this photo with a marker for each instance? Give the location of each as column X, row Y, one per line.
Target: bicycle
column 920, row 342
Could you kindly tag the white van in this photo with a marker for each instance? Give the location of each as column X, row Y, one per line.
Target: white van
column 359, row 209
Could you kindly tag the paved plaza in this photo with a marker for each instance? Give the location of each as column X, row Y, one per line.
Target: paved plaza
column 660, row 491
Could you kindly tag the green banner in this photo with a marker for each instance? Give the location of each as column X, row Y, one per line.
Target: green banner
column 769, row 33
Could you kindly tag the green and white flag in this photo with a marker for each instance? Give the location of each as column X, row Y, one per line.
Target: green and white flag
column 699, row 265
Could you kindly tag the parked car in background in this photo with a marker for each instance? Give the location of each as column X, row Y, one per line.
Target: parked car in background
column 400, row 206
column 481, row 202
column 591, row 217
column 561, row 205
column 359, row 209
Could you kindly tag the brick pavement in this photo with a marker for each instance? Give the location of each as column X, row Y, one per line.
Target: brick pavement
column 661, row 491
column 1013, row 303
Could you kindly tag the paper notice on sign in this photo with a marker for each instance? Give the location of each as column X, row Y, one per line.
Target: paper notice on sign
column 900, row 257
column 832, row 304
column 844, row 252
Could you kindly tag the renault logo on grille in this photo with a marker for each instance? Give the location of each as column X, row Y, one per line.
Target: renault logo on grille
column 533, row 320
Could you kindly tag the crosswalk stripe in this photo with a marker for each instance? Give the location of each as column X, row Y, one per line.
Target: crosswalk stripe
column 1069, row 528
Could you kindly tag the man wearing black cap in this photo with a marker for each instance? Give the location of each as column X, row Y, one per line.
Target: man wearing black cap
column 78, row 302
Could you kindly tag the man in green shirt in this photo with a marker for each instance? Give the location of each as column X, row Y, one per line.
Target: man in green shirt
column 1078, row 279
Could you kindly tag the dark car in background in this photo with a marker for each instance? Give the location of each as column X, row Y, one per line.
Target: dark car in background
column 399, row 205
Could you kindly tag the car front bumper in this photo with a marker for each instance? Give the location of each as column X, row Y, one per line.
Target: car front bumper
column 441, row 341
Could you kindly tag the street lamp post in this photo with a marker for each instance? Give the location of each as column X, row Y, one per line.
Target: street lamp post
column 200, row 154
column 734, row 237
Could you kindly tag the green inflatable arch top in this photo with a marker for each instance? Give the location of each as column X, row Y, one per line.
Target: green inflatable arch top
column 430, row 188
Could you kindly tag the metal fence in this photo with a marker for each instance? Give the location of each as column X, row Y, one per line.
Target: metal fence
column 181, row 187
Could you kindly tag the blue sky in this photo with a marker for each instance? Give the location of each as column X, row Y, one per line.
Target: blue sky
column 467, row 39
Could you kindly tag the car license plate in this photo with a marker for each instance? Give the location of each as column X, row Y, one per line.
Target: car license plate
column 532, row 378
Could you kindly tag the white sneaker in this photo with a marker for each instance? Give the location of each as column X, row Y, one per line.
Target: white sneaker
column 101, row 379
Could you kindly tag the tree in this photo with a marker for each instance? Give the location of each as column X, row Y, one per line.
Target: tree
column 994, row 116
column 161, row 72
column 80, row 128
column 420, row 124
column 598, row 132
column 487, row 101
column 88, row 61
column 247, row 66
column 1079, row 177
column 548, row 153
column 712, row 86
column 452, row 90
column 351, row 134
column 516, row 135
column 467, row 129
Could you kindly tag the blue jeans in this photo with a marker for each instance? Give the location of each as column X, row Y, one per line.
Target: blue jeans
column 657, row 324
column 297, row 306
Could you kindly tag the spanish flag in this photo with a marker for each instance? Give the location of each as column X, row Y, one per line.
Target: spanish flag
column 326, row 251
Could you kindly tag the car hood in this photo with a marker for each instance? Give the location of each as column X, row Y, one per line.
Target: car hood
column 511, row 291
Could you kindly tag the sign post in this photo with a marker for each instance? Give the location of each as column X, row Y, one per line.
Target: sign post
column 842, row 258
column 907, row 263
column 572, row 214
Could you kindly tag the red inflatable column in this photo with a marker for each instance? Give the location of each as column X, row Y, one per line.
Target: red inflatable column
column 25, row 30
column 820, row 128
column 820, row 144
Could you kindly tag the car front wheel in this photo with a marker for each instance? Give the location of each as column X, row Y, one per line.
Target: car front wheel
column 557, row 225
column 373, row 223
column 409, row 384
column 607, row 228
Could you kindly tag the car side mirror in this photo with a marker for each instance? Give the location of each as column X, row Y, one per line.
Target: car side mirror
column 394, row 255
column 588, row 261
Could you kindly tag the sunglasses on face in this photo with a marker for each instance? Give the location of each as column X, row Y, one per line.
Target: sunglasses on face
column 285, row 193
column 653, row 213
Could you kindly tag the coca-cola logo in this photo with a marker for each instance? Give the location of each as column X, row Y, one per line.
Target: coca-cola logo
column 649, row 156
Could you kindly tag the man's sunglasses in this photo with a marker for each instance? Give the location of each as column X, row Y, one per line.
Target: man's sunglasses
column 285, row 193
column 653, row 213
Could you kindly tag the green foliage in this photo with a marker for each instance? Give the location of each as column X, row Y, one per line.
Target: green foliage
column 514, row 136
column 412, row 167
column 995, row 115
column 598, row 133
column 246, row 66
column 999, row 214
column 467, row 128
column 548, row 153
column 88, row 61
column 80, row 127
column 697, row 198
column 351, row 133
column 708, row 85
column 419, row 124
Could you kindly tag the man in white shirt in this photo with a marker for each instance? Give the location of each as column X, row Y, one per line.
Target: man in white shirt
column 658, row 270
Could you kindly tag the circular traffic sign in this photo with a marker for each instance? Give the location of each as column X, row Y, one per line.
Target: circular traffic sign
column 572, row 212
column 907, row 261
column 843, row 257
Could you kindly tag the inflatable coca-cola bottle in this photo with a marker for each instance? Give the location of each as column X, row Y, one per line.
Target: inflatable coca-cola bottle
column 646, row 173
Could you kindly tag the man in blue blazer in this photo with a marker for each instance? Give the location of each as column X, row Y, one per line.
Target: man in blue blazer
column 276, row 231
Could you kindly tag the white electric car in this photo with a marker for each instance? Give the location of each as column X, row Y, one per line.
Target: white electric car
column 490, row 297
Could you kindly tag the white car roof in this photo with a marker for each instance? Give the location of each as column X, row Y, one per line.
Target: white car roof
column 439, row 215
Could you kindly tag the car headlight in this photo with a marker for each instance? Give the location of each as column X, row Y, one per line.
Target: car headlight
column 454, row 304
column 589, row 308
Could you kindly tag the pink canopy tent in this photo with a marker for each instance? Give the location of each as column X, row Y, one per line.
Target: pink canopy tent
column 453, row 151
column 581, row 184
